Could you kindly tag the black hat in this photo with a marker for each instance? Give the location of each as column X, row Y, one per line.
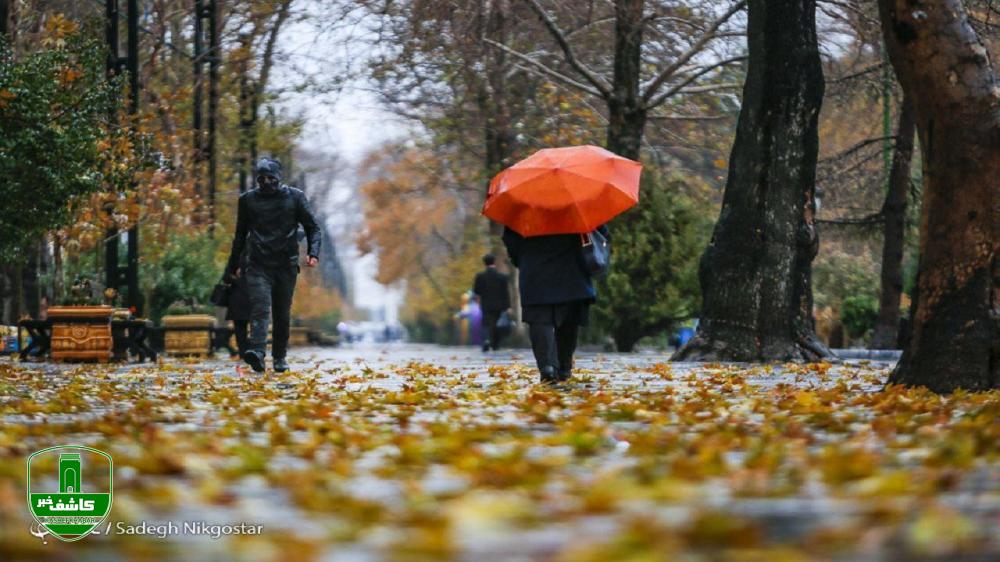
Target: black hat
column 269, row 167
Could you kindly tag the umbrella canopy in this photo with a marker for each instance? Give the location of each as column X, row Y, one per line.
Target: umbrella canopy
column 563, row 191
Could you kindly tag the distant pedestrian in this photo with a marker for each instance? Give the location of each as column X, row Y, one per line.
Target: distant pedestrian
column 266, row 251
column 556, row 294
column 492, row 290
column 470, row 320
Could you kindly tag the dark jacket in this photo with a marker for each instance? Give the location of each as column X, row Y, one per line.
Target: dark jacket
column 491, row 287
column 266, row 226
column 550, row 268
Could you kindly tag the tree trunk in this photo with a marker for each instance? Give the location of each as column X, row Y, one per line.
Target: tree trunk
column 4, row 16
column 246, row 125
column 57, row 271
column 756, row 272
column 17, row 300
column 894, row 215
column 31, row 287
column 945, row 71
column 626, row 111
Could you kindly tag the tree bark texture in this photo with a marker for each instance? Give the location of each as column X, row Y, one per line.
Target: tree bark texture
column 498, row 135
column 4, row 16
column 946, row 72
column 626, row 110
column 756, row 272
column 894, row 231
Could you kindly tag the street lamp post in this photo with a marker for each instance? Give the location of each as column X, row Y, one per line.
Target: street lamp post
column 199, row 64
column 113, row 274
column 214, row 57
column 4, row 16
column 134, row 302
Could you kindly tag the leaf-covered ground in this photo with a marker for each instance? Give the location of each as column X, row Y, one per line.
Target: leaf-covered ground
column 435, row 454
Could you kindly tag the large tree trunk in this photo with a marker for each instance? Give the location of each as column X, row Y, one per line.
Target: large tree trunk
column 894, row 217
column 498, row 136
column 626, row 111
column 756, row 272
column 626, row 122
column 17, row 300
column 4, row 16
column 945, row 71
column 57, row 270
column 245, row 123
column 32, row 287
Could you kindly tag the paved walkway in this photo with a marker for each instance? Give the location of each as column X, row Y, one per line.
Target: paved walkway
column 427, row 453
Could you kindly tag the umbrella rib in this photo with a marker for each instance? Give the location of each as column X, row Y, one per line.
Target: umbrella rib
column 576, row 203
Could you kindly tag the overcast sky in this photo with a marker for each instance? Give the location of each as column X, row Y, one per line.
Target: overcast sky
column 346, row 125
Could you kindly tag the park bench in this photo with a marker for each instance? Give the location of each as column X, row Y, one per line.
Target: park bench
column 129, row 337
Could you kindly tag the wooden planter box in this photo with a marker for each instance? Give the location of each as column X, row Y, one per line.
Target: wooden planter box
column 298, row 337
column 188, row 334
column 81, row 333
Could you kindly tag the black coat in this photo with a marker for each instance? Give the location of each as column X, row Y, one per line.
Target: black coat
column 266, row 227
column 492, row 288
column 550, row 268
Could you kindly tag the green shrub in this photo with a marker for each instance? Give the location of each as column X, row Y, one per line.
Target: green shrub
column 185, row 272
column 655, row 248
column 859, row 314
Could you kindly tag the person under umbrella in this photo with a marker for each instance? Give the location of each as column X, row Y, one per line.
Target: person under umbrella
column 551, row 204
column 556, row 294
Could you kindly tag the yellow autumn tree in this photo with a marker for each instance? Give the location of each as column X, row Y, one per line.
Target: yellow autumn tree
column 421, row 222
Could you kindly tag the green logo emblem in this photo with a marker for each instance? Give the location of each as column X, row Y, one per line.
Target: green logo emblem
column 83, row 499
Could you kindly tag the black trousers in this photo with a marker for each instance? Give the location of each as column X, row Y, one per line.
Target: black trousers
column 490, row 329
column 271, row 290
column 241, row 329
column 554, row 345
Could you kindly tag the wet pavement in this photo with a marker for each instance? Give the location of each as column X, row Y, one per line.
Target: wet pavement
column 407, row 452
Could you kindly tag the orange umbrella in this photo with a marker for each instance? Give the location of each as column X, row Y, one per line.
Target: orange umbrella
column 563, row 191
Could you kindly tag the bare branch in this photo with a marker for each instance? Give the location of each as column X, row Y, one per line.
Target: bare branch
column 870, row 220
column 546, row 70
column 601, row 85
column 696, row 48
column 268, row 60
column 688, row 117
column 862, row 72
column 859, row 146
column 711, row 88
column 588, row 26
column 687, row 81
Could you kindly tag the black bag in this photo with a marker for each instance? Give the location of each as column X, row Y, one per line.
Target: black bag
column 505, row 324
column 596, row 254
column 220, row 294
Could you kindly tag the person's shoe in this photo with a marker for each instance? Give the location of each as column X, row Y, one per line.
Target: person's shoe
column 255, row 359
column 280, row 365
column 548, row 374
column 564, row 373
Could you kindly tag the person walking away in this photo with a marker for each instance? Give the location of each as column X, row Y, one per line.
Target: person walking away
column 492, row 290
column 266, row 250
column 556, row 294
